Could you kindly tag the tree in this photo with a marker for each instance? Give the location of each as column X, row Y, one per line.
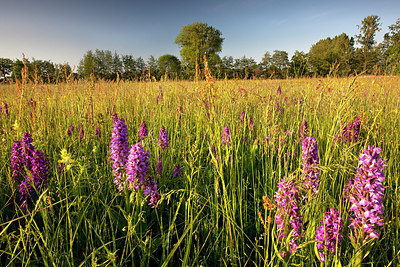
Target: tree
column 129, row 67
column 140, row 65
column 196, row 40
column 332, row 56
column 227, row 65
column 116, row 65
column 169, row 65
column 87, row 64
column 280, row 63
column 6, row 66
column 298, row 66
column 266, row 61
column 153, row 66
column 245, row 67
column 392, row 48
column 367, row 55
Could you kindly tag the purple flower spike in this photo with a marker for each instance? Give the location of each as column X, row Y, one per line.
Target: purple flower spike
column 82, row 132
column 137, row 166
column 163, row 138
column 242, row 116
column 328, row 235
column 6, row 110
column 288, row 218
column 143, row 133
column 29, row 167
column 226, row 136
column 349, row 133
column 119, row 151
column 98, row 132
column 70, row 130
column 365, row 193
column 310, row 164
column 150, row 189
column 279, row 91
column 177, row 171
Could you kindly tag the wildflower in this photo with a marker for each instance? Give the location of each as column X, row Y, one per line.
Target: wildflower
column 143, row 133
column 310, row 164
column 70, row 130
column 150, row 189
column 98, row 133
column 177, row 171
column 242, row 116
column 137, row 166
column 66, row 160
column 119, row 151
column 279, row 91
column 353, row 131
column 349, row 133
column 160, row 94
column 328, row 235
column 6, row 110
column 163, row 138
column 115, row 117
column 226, row 136
column 288, row 218
column 32, row 103
column 60, row 168
column 251, row 124
column 82, row 132
column 29, row 166
column 365, row 193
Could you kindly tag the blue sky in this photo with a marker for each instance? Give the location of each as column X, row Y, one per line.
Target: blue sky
column 62, row 31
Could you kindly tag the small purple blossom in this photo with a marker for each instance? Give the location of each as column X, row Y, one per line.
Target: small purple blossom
column 32, row 103
column 365, row 193
column 328, row 235
column 150, row 189
column 143, row 133
column 177, row 171
column 6, row 110
column 288, row 218
column 278, row 108
column 70, row 130
column 119, row 151
column 310, row 165
column 163, row 138
column 97, row 133
column 242, row 116
column 349, row 133
column 114, row 117
column 279, row 91
column 226, row 136
column 82, row 132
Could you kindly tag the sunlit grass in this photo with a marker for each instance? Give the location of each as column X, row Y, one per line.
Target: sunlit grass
column 211, row 214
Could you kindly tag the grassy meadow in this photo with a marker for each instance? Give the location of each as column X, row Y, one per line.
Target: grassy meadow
column 214, row 213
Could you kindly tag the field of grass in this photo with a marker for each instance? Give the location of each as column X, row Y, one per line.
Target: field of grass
column 213, row 214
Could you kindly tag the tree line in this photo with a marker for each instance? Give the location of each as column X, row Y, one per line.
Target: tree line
column 341, row 55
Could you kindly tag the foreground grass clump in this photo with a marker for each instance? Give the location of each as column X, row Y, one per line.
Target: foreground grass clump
column 220, row 156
